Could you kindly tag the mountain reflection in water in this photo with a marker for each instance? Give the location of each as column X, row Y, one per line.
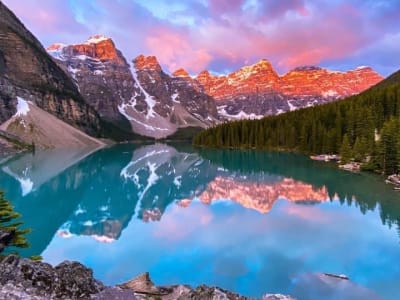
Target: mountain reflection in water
column 153, row 197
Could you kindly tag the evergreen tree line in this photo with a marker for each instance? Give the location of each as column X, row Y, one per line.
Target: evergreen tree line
column 363, row 128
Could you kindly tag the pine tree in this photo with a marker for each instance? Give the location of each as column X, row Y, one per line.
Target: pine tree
column 345, row 150
column 7, row 223
column 360, row 149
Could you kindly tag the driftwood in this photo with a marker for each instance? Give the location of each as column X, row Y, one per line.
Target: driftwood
column 337, row 276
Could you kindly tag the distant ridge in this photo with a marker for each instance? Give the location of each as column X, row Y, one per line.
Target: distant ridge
column 364, row 128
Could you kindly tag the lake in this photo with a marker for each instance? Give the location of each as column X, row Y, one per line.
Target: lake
column 249, row 221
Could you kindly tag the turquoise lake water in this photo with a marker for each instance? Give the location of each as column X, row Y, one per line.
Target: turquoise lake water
column 249, row 221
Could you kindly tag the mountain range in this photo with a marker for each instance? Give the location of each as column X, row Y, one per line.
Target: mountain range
column 157, row 103
column 94, row 88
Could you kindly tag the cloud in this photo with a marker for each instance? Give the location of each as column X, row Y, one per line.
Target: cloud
column 223, row 35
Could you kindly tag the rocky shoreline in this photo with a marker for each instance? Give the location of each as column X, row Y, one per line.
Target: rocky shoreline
column 22, row 278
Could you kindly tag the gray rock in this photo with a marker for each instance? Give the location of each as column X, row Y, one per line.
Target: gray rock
column 69, row 280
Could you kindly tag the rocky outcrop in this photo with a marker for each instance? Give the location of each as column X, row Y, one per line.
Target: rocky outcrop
column 25, row 279
column 154, row 103
column 21, row 278
column 43, row 130
column 257, row 90
column 145, row 289
column 26, row 70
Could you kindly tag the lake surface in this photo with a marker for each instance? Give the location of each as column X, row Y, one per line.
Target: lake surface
column 249, row 221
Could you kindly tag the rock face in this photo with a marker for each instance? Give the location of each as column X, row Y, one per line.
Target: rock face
column 26, row 70
column 21, row 279
column 25, row 279
column 101, row 72
column 154, row 103
column 43, row 130
column 257, row 90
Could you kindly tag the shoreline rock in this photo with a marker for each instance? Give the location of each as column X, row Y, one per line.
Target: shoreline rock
column 22, row 278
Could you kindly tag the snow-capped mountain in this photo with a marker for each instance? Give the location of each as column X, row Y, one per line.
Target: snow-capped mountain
column 154, row 103
column 157, row 104
column 257, row 90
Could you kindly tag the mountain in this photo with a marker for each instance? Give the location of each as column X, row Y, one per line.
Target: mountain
column 27, row 71
column 363, row 127
column 154, row 103
column 257, row 90
column 157, row 104
column 43, row 130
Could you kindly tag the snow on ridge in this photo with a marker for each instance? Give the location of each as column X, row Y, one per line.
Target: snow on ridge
column 148, row 99
column 291, row 106
column 329, row 93
column 22, row 107
column 238, row 116
column 121, row 109
column 361, row 67
column 96, row 39
column 174, row 96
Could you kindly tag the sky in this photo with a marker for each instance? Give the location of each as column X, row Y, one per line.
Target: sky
column 223, row 35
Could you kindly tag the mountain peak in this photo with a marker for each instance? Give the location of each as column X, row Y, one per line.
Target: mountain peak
column 55, row 47
column 263, row 61
column 262, row 65
column 98, row 47
column 97, row 38
column 147, row 63
column 363, row 69
column 180, row 73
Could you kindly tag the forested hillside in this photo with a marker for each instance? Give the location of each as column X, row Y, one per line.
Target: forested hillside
column 364, row 128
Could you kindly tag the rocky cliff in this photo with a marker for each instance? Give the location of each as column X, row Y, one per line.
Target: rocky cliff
column 101, row 72
column 26, row 70
column 154, row 103
column 257, row 90
column 22, row 279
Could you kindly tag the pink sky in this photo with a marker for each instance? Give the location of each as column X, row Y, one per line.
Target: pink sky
column 223, row 35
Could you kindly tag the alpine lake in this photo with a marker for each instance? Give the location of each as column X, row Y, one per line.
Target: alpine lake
column 248, row 221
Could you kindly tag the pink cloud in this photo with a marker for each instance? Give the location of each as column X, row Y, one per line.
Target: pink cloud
column 174, row 50
column 224, row 34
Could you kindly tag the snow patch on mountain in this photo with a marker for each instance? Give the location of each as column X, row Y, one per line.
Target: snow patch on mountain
column 96, row 39
column 22, row 107
column 148, row 99
column 240, row 115
column 174, row 96
column 291, row 106
column 330, row 93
